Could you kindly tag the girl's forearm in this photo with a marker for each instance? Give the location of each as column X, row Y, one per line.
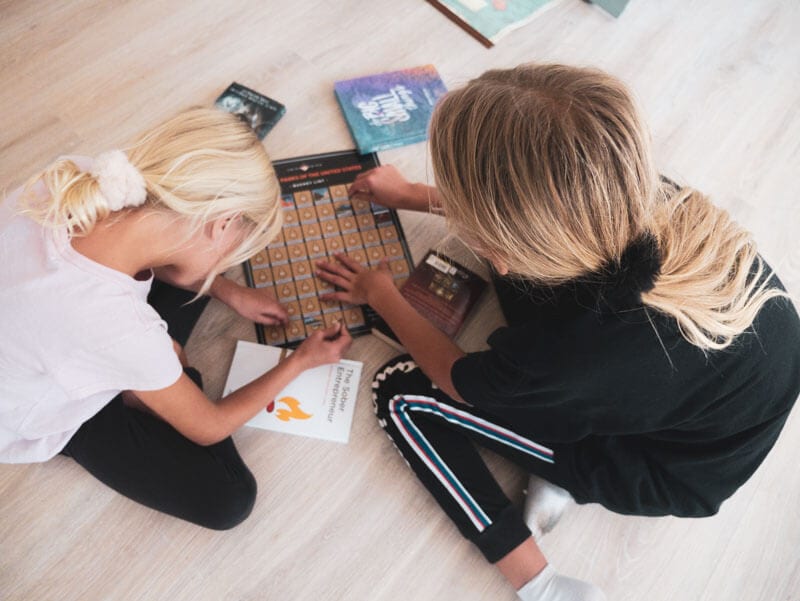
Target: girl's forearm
column 189, row 411
column 221, row 288
column 424, row 198
column 238, row 407
column 431, row 349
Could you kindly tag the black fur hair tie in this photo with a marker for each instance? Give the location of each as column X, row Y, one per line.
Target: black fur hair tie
column 615, row 287
column 624, row 281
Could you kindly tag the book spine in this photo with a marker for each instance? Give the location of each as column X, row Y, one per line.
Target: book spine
column 361, row 149
column 461, row 23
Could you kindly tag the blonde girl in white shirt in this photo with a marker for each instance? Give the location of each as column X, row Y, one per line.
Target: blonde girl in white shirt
column 87, row 366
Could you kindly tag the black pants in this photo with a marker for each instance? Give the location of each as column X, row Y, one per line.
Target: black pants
column 147, row 460
column 437, row 437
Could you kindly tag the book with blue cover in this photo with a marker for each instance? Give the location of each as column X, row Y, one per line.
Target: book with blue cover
column 390, row 109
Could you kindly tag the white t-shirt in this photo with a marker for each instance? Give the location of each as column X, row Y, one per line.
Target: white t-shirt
column 73, row 334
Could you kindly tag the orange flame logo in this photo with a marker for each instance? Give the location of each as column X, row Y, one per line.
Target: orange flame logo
column 294, row 411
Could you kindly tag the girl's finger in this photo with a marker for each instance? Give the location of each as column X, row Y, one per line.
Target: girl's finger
column 278, row 312
column 343, row 341
column 333, row 331
column 336, row 296
column 360, row 185
column 357, row 189
column 335, row 268
column 271, row 320
column 334, row 279
column 338, row 336
column 349, row 262
column 315, row 335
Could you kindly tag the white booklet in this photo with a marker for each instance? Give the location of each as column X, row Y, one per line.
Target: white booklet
column 318, row 403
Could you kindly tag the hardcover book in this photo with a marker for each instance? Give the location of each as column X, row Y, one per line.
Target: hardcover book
column 441, row 290
column 390, row 109
column 489, row 20
column 259, row 112
column 318, row 403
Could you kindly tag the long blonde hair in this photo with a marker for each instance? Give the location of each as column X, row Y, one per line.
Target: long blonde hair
column 548, row 169
column 203, row 164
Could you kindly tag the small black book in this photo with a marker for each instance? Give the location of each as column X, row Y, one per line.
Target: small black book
column 441, row 290
column 259, row 112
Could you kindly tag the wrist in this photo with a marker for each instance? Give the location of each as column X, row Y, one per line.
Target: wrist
column 419, row 197
column 297, row 362
column 224, row 290
column 382, row 290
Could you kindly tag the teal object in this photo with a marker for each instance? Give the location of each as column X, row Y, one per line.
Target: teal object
column 493, row 20
column 613, row 7
column 390, row 109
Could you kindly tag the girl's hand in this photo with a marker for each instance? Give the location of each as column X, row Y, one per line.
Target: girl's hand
column 256, row 304
column 356, row 281
column 323, row 346
column 385, row 186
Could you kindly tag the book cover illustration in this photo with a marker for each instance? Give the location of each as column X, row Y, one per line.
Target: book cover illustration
column 319, row 403
column 441, row 290
column 259, row 112
column 390, row 109
column 489, row 20
column 319, row 221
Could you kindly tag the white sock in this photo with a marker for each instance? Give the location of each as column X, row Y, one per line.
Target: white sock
column 544, row 505
column 549, row 585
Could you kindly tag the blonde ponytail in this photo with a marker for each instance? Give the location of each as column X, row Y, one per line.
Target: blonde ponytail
column 548, row 170
column 201, row 165
column 712, row 280
column 74, row 202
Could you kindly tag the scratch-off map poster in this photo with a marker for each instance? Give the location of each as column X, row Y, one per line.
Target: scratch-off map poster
column 320, row 220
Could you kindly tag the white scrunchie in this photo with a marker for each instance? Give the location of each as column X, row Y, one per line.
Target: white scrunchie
column 120, row 182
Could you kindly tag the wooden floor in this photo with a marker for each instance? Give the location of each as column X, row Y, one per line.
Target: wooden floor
column 718, row 81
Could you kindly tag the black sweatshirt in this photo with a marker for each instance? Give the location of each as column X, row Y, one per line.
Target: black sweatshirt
column 646, row 423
